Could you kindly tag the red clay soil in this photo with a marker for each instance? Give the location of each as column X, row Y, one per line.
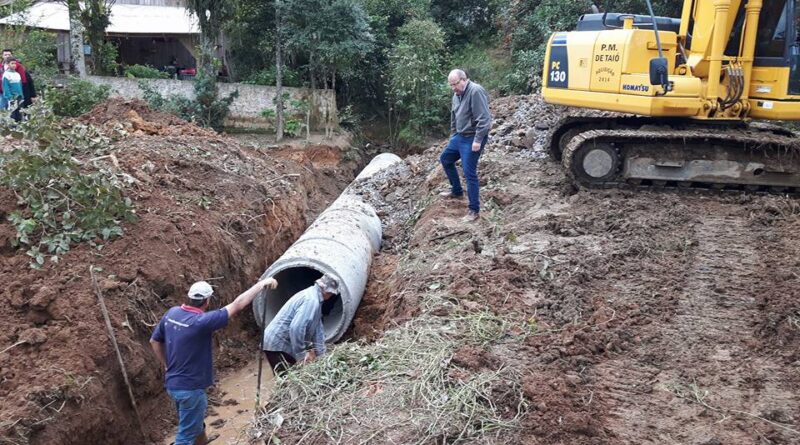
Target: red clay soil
column 209, row 209
column 134, row 116
column 633, row 317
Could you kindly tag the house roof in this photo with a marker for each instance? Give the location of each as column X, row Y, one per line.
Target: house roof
column 125, row 19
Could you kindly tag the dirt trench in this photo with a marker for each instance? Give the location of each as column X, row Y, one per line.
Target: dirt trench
column 626, row 317
column 209, row 207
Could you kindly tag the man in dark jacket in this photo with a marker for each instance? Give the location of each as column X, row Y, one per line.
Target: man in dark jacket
column 470, row 121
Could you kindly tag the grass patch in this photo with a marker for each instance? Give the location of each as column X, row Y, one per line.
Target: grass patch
column 403, row 387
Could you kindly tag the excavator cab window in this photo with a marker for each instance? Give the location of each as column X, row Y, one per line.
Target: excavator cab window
column 777, row 40
column 794, row 52
column 774, row 30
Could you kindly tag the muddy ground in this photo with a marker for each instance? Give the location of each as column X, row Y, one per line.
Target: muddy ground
column 645, row 317
column 209, row 207
column 628, row 317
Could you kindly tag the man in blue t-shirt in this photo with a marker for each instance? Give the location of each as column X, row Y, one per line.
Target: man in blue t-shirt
column 182, row 342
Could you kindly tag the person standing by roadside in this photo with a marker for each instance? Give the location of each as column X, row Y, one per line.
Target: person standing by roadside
column 470, row 121
column 182, row 343
column 12, row 89
column 8, row 54
column 297, row 334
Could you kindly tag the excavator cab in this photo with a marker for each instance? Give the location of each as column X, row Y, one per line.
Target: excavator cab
column 777, row 44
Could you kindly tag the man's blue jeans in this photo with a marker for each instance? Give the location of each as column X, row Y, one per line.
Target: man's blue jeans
column 191, row 405
column 460, row 147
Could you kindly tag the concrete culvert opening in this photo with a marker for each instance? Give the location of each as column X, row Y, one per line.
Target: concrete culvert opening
column 292, row 281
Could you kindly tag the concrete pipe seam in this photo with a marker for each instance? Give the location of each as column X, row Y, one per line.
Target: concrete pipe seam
column 340, row 242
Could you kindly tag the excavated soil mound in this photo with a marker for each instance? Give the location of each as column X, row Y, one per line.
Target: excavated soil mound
column 629, row 317
column 136, row 117
column 208, row 208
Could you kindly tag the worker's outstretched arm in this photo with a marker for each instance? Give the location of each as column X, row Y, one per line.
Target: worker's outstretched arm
column 244, row 300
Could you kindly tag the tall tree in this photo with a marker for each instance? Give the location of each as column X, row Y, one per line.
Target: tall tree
column 211, row 15
column 76, row 38
column 278, row 73
column 466, row 20
column 417, row 80
column 95, row 17
column 333, row 35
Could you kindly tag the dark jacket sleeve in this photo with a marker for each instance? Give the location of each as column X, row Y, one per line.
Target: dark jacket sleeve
column 28, row 90
column 22, row 73
column 480, row 112
column 453, row 115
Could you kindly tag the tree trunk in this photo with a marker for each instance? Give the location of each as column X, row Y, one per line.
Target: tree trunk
column 311, row 71
column 278, row 76
column 207, row 55
column 76, row 39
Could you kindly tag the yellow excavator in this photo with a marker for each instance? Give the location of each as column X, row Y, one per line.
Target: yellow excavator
column 680, row 102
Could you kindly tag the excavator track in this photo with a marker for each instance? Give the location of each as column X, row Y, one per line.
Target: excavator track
column 640, row 153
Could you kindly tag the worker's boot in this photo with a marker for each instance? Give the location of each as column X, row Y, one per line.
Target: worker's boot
column 450, row 195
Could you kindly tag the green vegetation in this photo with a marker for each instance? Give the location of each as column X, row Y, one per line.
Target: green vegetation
column 386, row 59
column 205, row 109
column 419, row 94
column 65, row 201
column 144, row 72
column 291, row 77
column 75, row 97
column 34, row 47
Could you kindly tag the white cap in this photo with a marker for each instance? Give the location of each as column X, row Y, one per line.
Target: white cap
column 200, row 291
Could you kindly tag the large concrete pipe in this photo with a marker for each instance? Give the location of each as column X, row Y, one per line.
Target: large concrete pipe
column 340, row 242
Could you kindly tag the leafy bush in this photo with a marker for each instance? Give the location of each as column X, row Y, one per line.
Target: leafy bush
column 106, row 59
column 289, row 78
column 76, row 97
column 350, row 120
column 292, row 127
column 487, row 65
column 417, row 82
column 145, row 72
column 206, row 109
column 66, row 201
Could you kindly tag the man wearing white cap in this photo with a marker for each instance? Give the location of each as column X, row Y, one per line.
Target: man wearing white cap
column 182, row 342
column 296, row 334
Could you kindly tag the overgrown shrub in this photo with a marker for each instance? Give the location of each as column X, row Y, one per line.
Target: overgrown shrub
column 145, row 72
column 417, row 81
column 206, row 109
column 292, row 127
column 289, row 77
column 65, row 201
column 486, row 64
column 350, row 119
column 76, row 97
column 106, row 59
